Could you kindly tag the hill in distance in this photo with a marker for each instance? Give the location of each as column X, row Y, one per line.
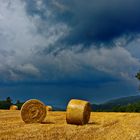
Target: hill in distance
column 124, row 101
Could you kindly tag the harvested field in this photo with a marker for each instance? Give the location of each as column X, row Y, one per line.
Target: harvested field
column 102, row 126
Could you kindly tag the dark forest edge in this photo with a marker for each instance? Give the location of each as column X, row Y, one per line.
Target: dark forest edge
column 126, row 104
column 5, row 104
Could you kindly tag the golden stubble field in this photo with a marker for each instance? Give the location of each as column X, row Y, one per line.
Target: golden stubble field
column 102, row 126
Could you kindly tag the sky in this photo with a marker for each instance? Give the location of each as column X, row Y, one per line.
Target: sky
column 56, row 50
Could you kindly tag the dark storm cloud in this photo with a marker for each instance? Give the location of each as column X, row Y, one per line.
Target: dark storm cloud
column 50, row 48
column 92, row 20
column 36, row 47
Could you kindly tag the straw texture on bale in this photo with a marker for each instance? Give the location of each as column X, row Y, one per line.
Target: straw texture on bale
column 33, row 111
column 13, row 107
column 78, row 112
column 49, row 108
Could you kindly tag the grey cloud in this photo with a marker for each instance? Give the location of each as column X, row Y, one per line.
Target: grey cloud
column 92, row 21
column 114, row 61
column 33, row 47
column 28, row 69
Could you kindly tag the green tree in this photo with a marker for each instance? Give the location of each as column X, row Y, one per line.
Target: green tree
column 9, row 100
column 18, row 102
column 138, row 75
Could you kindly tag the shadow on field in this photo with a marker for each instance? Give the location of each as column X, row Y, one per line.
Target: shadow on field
column 93, row 123
column 47, row 122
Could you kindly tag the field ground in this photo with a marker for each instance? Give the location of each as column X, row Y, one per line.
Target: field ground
column 102, row 126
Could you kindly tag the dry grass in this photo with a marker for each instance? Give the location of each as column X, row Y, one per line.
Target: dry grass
column 33, row 111
column 102, row 126
column 49, row 108
column 13, row 107
column 78, row 112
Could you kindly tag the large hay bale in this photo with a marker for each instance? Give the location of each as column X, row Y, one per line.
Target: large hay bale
column 13, row 107
column 78, row 112
column 49, row 108
column 33, row 111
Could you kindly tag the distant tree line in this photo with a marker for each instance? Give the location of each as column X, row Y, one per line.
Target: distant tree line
column 128, row 108
column 134, row 107
column 5, row 104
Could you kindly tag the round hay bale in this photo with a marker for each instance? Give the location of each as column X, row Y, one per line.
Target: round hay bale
column 33, row 111
column 49, row 108
column 13, row 107
column 78, row 112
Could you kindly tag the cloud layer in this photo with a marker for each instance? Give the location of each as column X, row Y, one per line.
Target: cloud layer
column 90, row 21
column 59, row 40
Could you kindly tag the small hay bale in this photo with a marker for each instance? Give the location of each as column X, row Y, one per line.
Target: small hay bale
column 13, row 107
column 33, row 111
column 78, row 112
column 49, row 108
